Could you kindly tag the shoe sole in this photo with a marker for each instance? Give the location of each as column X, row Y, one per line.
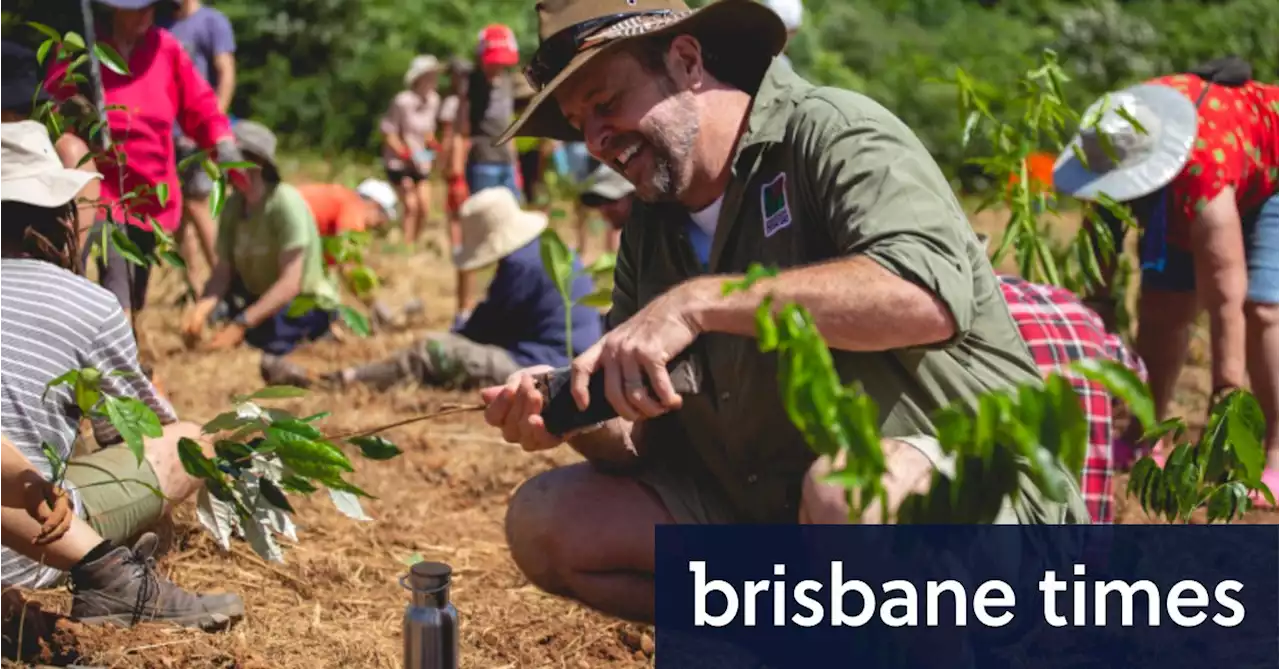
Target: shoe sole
column 208, row 622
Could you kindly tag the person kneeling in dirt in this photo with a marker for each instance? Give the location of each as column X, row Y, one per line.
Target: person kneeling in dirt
column 269, row 254
column 55, row 321
column 736, row 159
column 338, row 209
column 520, row 323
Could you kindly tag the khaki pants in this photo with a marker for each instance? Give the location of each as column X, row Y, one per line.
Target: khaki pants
column 120, row 496
column 442, row 359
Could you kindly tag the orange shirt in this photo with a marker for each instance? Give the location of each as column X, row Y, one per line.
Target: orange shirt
column 1040, row 172
column 336, row 208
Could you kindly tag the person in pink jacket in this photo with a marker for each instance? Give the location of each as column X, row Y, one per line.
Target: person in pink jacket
column 162, row 87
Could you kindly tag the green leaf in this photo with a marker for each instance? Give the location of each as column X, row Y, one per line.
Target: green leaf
column 173, row 259
column 315, row 417
column 56, row 466
column 195, row 463
column 301, row 305
column 1228, row 502
column 362, row 280
column 274, row 495
column 110, row 57
column 127, row 248
column 237, row 165
column 376, row 448
column 233, row 452
column 162, row 193
column 294, row 449
column 355, row 320
column 198, row 156
column 557, row 261
column 297, row 484
column 68, row 378
column 298, row 427
column 229, row 420
column 217, row 197
column 606, row 263
column 278, row 392
column 43, row 52
column 1070, row 425
column 600, row 299
column 134, row 421
column 347, row 502
column 46, row 30
column 1121, row 382
column 73, row 40
column 1175, row 426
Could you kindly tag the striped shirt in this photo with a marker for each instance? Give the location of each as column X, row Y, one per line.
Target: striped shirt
column 53, row 321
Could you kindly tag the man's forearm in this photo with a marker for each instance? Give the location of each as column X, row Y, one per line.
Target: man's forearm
column 856, row 304
column 609, row 447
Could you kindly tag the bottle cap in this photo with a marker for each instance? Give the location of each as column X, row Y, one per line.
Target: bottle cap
column 429, row 575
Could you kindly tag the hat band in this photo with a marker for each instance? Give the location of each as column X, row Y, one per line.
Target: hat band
column 555, row 52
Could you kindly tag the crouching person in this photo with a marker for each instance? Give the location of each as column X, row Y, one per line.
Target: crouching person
column 269, row 254
column 55, row 321
column 520, row 323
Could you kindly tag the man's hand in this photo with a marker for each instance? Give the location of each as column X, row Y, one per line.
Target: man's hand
column 908, row 471
column 51, row 505
column 228, row 337
column 193, row 321
column 516, row 408
column 640, row 347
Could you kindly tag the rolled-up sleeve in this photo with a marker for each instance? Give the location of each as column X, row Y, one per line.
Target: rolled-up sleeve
column 883, row 197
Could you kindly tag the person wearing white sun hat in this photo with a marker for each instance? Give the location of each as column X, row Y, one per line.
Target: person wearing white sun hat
column 520, row 323
column 792, row 14
column 410, row 142
column 1200, row 173
column 55, row 320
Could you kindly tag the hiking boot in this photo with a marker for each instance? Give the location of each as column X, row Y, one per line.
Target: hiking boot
column 278, row 370
column 124, row 588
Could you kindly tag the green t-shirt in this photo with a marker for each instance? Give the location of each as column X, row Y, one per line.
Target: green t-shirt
column 253, row 240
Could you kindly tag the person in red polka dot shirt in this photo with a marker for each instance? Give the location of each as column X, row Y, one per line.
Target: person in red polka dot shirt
column 1199, row 170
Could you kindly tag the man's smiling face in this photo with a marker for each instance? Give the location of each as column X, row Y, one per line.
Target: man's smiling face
column 641, row 122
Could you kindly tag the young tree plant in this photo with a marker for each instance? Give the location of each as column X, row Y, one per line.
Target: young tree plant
column 557, row 260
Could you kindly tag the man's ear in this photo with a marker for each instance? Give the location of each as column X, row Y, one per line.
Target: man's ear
column 684, row 61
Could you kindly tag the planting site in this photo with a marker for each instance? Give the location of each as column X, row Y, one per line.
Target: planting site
column 336, row 601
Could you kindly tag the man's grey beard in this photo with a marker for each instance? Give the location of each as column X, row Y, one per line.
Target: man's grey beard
column 670, row 154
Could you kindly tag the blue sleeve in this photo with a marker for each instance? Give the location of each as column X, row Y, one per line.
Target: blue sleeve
column 486, row 323
column 224, row 38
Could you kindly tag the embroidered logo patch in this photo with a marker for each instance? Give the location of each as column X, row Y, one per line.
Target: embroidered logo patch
column 773, row 205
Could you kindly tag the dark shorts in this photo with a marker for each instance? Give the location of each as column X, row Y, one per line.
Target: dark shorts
column 117, row 274
column 280, row 334
column 529, row 162
column 196, row 183
column 1261, row 251
column 396, row 174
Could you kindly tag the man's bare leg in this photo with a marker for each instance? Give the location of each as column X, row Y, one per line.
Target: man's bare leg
column 588, row 536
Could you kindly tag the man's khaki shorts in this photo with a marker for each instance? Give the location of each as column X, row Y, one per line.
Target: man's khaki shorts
column 120, row 496
column 693, row 498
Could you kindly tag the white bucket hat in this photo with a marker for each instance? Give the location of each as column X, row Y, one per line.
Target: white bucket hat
column 1143, row 162
column 493, row 227
column 790, row 11
column 31, row 171
column 419, row 66
column 381, row 193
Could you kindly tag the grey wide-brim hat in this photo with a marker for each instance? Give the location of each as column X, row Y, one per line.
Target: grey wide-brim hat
column 257, row 139
column 1143, row 162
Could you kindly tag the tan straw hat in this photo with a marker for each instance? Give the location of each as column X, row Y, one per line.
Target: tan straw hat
column 493, row 227
column 741, row 34
column 30, row 170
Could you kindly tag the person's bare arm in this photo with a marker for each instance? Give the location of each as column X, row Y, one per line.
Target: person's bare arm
column 1222, row 282
column 856, row 304
column 461, row 133
column 225, row 64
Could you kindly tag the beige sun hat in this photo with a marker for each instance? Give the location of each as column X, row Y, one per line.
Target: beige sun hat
column 424, row 64
column 493, row 227
column 31, row 171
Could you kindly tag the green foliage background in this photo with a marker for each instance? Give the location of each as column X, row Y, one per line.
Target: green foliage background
column 321, row 71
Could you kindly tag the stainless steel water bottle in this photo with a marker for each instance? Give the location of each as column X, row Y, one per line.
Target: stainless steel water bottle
column 430, row 619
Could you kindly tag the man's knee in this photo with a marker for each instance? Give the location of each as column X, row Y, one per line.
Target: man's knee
column 533, row 533
column 162, row 455
column 1260, row 314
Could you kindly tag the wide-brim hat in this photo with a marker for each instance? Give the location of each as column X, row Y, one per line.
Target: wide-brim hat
column 493, row 227
column 1138, row 160
column 421, row 65
column 257, row 142
column 741, row 34
column 31, row 171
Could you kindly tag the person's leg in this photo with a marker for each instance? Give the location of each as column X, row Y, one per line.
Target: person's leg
column 119, row 585
column 1263, row 347
column 407, row 191
column 584, row 534
column 424, row 206
column 440, row 358
column 1167, row 306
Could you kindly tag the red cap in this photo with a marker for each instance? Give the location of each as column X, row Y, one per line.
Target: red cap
column 497, row 46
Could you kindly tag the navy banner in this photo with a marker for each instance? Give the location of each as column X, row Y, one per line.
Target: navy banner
column 968, row 596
